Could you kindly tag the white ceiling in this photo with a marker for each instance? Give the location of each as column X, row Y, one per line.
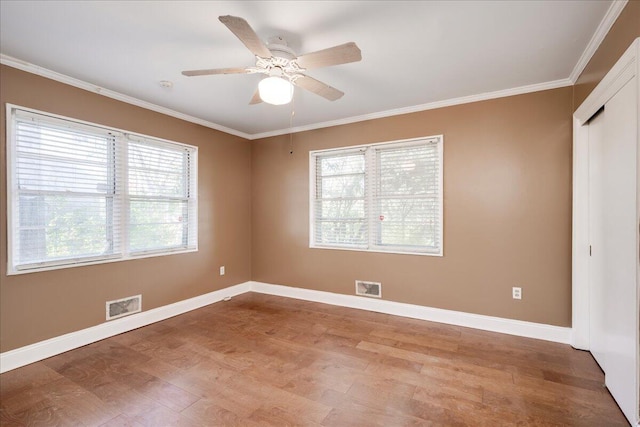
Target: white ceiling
column 416, row 54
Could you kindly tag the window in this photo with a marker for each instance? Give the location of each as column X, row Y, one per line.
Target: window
column 379, row 197
column 80, row 193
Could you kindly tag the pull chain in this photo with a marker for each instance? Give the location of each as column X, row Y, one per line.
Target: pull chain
column 293, row 113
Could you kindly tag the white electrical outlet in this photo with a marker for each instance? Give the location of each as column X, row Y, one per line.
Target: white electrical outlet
column 516, row 293
column 222, row 270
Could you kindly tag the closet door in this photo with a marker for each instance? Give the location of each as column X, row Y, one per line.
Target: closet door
column 613, row 234
column 620, row 239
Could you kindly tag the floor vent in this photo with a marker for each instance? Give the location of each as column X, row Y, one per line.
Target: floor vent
column 124, row 307
column 368, row 289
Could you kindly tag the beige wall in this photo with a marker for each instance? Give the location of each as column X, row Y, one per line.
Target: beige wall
column 623, row 32
column 37, row 306
column 507, row 211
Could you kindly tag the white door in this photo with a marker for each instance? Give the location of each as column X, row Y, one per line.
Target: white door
column 620, row 192
column 614, row 237
column 597, row 341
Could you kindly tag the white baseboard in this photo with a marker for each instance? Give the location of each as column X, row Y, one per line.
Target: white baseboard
column 477, row 321
column 41, row 350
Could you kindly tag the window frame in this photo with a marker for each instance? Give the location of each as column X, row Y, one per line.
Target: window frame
column 371, row 178
column 121, row 142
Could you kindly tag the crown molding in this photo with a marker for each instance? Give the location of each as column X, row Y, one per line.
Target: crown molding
column 71, row 81
column 601, row 32
column 422, row 107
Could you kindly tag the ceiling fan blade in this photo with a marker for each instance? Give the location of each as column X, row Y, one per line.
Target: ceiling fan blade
column 342, row 54
column 245, row 33
column 192, row 73
column 256, row 98
column 317, row 87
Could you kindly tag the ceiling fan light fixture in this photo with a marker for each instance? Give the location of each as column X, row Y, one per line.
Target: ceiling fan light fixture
column 275, row 90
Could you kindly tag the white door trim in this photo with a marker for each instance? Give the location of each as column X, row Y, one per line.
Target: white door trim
column 580, row 238
column 624, row 70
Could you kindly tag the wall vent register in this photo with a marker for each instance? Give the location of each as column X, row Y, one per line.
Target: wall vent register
column 368, row 289
column 124, row 307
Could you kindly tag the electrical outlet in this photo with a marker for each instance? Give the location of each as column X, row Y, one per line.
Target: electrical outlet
column 222, row 270
column 516, row 293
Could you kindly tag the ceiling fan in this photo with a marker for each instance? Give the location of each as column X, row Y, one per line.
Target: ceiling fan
column 282, row 66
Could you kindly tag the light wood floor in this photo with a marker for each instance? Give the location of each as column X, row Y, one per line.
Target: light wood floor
column 264, row 360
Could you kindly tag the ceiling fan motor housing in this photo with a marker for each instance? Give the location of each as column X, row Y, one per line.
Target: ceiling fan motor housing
column 279, row 47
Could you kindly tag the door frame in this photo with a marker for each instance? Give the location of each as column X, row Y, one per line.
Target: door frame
column 627, row 68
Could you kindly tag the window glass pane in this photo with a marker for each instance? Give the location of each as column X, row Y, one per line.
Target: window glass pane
column 64, row 178
column 340, row 200
column 341, row 209
column 160, row 184
column 407, row 208
column 157, row 171
column 61, row 227
column 342, row 186
column 60, row 175
column 408, row 222
column 344, row 164
column 157, row 224
column 342, row 232
column 47, row 139
column 53, row 159
column 410, row 170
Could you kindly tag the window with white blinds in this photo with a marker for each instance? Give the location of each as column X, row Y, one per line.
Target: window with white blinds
column 379, row 197
column 80, row 193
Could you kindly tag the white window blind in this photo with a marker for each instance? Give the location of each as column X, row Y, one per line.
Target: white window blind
column 80, row 193
column 380, row 197
column 407, row 198
column 160, row 201
column 340, row 202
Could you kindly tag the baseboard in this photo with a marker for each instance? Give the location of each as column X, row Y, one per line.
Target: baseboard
column 41, row 350
column 477, row 321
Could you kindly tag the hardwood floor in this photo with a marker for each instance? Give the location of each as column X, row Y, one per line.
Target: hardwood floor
column 264, row 360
